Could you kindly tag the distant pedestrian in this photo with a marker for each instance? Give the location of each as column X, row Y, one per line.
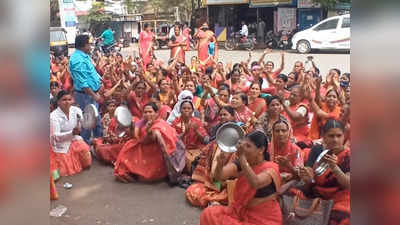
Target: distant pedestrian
column 260, row 30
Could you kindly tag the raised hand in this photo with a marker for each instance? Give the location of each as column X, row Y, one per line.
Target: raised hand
column 267, row 50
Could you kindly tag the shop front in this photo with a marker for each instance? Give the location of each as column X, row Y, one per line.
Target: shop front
column 225, row 16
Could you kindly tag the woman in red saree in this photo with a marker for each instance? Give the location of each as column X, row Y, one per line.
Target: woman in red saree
column 284, row 151
column 235, row 83
column 143, row 156
column 138, row 96
column 242, row 112
column 108, row 147
column 205, row 36
column 212, row 105
column 323, row 111
column 206, row 190
column 256, row 104
column 146, row 43
column 334, row 183
column 178, row 45
column 191, row 131
column 71, row 153
column 254, row 194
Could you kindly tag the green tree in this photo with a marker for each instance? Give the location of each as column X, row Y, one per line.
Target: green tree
column 134, row 6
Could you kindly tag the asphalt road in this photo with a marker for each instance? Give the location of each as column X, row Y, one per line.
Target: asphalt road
column 96, row 198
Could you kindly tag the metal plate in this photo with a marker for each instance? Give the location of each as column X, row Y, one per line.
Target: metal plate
column 228, row 136
column 90, row 115
column 123, row 116
column 320, row 165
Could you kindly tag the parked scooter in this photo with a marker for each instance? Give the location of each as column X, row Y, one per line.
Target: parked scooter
column 237, row 41
column 272, row 39
column 280, row 40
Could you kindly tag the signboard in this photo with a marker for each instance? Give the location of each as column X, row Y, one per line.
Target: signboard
column 307, row 4
column 286, row 19
column 83, row 7
column 68, row 18
column 225, row 2
column 269, row 3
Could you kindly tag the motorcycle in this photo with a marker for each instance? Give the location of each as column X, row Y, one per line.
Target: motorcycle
column 237, row 41
column 99, row 46
column 272, row 39
column 161, row 41
column 280, row 40
column 286, row 40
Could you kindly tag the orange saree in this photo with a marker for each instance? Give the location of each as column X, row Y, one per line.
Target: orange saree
column 256, row 104
column 146, row 160
column 205, row 190
column 239, row 213
column 328, row 187
column 77, row 158
column 108, row 152
column 300, row 129
column 317, row 123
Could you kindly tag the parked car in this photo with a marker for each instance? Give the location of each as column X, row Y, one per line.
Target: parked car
column 331, row 33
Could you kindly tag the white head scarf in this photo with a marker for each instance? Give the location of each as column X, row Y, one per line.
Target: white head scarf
column 177, row 108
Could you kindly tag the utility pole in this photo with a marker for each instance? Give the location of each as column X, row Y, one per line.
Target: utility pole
column 177, row 14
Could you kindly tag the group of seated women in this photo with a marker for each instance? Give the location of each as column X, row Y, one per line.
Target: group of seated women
column 176, row 112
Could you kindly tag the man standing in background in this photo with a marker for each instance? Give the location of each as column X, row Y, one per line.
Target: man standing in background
column 260, row 30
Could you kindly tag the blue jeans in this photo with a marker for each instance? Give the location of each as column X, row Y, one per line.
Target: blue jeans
column 83, row 100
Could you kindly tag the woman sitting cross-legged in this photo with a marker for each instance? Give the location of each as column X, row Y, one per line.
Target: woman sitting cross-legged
column 206, row 190
column 255, row 190
column 108, row 147
column 191, row 131
column 146, row 156
column 284, row 151
column 71, row 153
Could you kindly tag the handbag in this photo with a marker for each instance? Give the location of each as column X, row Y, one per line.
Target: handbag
column 296, row 211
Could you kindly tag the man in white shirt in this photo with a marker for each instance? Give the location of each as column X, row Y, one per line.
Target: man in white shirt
column 244, row 31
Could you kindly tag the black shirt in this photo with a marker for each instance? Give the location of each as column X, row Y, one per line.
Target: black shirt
column 262, row 192
column 316, row 150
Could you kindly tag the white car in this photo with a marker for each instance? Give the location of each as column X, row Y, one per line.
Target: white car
column 331, row 33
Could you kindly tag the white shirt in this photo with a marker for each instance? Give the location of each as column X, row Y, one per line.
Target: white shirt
column 244, row 31
column 61, row 128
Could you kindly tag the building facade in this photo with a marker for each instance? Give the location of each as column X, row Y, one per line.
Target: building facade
column 225, row 16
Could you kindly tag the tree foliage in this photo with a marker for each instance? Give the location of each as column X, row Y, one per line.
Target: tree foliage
column 134, row 6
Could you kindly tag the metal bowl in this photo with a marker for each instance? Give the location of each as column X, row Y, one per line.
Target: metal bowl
column 228, row 136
